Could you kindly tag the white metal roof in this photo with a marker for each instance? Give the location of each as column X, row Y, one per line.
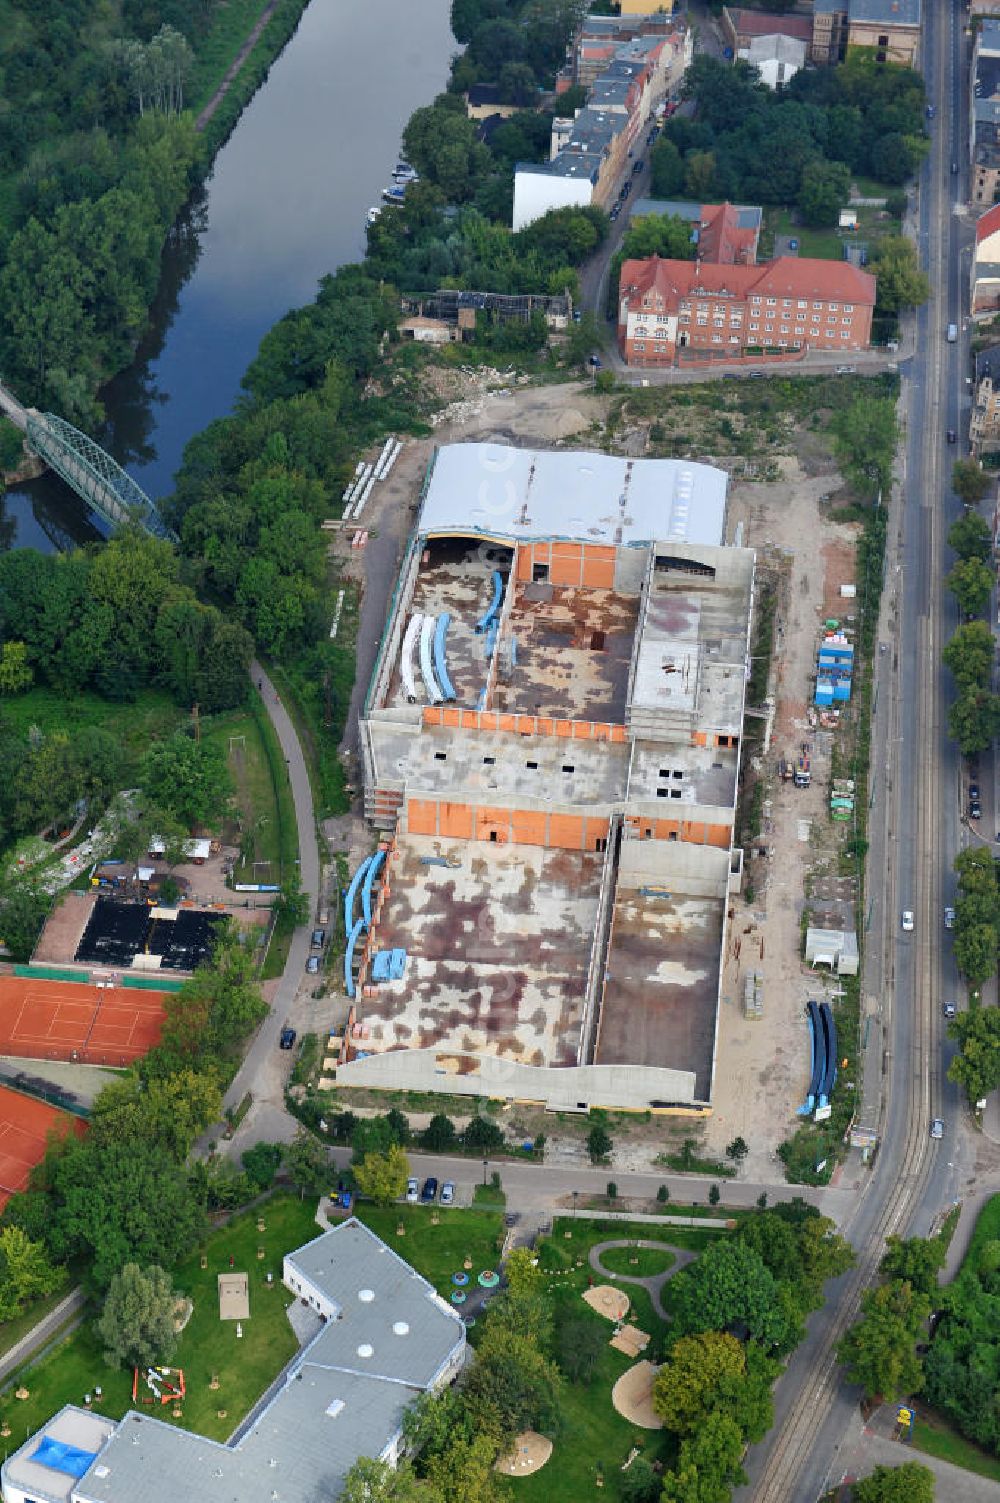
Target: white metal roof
column 520, row 494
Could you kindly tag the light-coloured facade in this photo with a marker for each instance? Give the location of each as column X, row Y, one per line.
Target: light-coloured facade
column 984, row 422
column 984, row 299
column 890, row 28
column 556, row 826
column 984, row 115
column 387, row 1337
column 777, row 58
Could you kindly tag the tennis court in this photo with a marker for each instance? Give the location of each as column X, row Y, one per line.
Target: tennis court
column 25, row 1126
column 95, row 1025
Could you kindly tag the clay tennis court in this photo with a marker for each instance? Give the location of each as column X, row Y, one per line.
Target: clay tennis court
column 25, row 1126
column 42, row 1019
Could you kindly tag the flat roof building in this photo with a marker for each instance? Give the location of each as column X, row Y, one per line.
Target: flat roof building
column 550, row 745
column 388, row 1337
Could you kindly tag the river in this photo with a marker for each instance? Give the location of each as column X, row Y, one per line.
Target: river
column 285, row 203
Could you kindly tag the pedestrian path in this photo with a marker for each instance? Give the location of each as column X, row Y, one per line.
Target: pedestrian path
column 655, row 1282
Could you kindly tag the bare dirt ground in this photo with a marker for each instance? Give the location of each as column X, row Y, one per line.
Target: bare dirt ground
column 762, row 1066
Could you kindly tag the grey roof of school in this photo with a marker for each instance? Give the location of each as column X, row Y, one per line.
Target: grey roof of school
column 886, row 12
column 500, row 492
column 340, row 1398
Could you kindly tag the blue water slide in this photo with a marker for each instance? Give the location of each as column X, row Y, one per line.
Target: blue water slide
column 349, row 958
column 817, row 1045
column 440, row 631
column 494, row 604
column 352, row 892
column 377, row 862
column 830, row 1074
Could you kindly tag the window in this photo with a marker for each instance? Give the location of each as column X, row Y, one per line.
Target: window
column 771, row 302
column 848, row 307
column 845, row 320
column 845, row 333
column 734, row 339
column 661, row 333
column 639, row 345
column 569, row 767
column 539, row 573
column 440, row 756
column 662, row 792
column 833, row 307
column 489, row 761
column 784, row 329
column 818, row 305
column 531, row 766
column 641, row 333
column 786, row 302
column 802, row 303
column 716, row 338
column 677, row 774
column 754, row 298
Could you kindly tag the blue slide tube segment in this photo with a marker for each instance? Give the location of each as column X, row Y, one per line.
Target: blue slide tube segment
column 349, row 958
column 377, row 862
column 352, row 892
column 818, row 1053
column 440, row 631
column 494, row 604
column 830, row 1030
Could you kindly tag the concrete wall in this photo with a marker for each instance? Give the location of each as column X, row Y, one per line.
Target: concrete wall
column 535, row 193
column 698, row 871
column 628, row 1087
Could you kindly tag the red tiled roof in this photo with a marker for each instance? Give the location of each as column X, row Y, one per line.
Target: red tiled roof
column 788, row 276
column 988, row 223
column 722, row 238
column 761, row 23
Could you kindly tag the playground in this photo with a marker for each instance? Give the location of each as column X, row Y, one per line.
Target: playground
column 68, row 1020
column 25, row 1125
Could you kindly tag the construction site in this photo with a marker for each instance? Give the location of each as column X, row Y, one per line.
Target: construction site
column 551, row 744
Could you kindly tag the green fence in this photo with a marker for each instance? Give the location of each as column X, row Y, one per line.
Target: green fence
column 53, row 973
column 152, row 983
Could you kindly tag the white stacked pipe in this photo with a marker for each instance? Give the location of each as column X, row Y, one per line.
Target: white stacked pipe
column 380, row 463
column 392, row 458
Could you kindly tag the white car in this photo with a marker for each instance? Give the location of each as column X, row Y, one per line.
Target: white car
column 448, row 1193
column 907, row 921
column 949, row 918
column 413, row 1191
column 937, row 1128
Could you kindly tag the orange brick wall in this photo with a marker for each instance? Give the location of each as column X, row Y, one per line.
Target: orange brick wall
column 571, row 832
column 587, row 565
column 523, row 725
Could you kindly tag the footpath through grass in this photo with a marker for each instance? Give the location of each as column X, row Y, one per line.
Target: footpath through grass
column 11, row 1331
column 207, row 1347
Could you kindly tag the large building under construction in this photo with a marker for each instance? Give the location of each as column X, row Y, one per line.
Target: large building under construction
column 551, row 743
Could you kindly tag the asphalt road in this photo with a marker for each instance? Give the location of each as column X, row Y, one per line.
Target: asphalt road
column 264, row 1066
column 914, row 841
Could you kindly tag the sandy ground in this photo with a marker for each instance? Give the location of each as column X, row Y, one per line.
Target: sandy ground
column 632, row 1396
column 531, row 1452
column 762, row 1067
column 607, row 1301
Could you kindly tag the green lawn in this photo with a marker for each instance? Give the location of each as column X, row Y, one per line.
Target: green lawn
column 207, row 1346
column 152, row 717
column 987, row 1229
column 262, row 794
column 935, row 1437
column 638, row 1262
column 828, row 245
column 438, row 1251
column 585, row 1234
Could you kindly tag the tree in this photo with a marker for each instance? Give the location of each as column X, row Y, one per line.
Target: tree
column 708, row 1463
column 667, row 166
column 23, row 908
column 971, row 651
column 699, row 175
column 377, row 1482
column 261, row 1163
column 971, row 583
column 439, row 1135
column 865, row 435
column 976, row 957
column 685, row 1386
column 970, row 537
column 513, row 1386
column 291, row 904
column 517, row 83
column 187, row 778
column 900, row 283
column 383, row 1176
column 969, row 481
column 879, row 1350
column 917, row 1260
column 824, row 189
column 484, row 1135
column 737, row 1150
column 581, row 1346
column 909, row 1483
column 26, row 1271
column 977, row 1067
column 599, row 1143
column 307, row 1163
column 137, row 1321
column 730, row 1283
column 521, row 1272
column 640, row 1484
column 15, row 670
column 171, row 1110
column 974, row 720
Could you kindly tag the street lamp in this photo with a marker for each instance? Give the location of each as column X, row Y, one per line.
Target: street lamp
column 575, row 1194
column 485, row 1163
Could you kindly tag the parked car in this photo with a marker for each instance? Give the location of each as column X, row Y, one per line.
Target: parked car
column 286, row 1038
column 951, row 436
column 429, row 1192
column 448, row 1193
column 595, row 361
column 318, row 936
column 937, row 1128
column 950, row 1010
column 907, row 921
column 312, row 965
column 975, row 809
column 954, row 169
column 949, row 918
column 638, row 166
column 412, row 1190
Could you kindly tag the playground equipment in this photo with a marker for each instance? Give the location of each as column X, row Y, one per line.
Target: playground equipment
column 165, row 1383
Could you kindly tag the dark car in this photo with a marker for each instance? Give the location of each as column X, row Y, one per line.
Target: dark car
column 638, row 166
column 286, row 1038
column 975, row 810
column 429, row 1192
column 951, row 435
column 318, row 936
column 974, row 792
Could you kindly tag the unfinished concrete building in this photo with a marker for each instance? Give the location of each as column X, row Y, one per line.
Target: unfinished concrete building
column 551, row 744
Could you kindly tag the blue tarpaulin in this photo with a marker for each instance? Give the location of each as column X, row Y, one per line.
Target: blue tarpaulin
column 60, row 1457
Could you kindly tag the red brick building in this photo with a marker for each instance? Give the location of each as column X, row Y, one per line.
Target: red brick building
column 673, row 312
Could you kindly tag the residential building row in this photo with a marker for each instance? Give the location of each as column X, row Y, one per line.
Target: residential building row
column 984, row 114
column 590, row 153
column 387, row 1337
